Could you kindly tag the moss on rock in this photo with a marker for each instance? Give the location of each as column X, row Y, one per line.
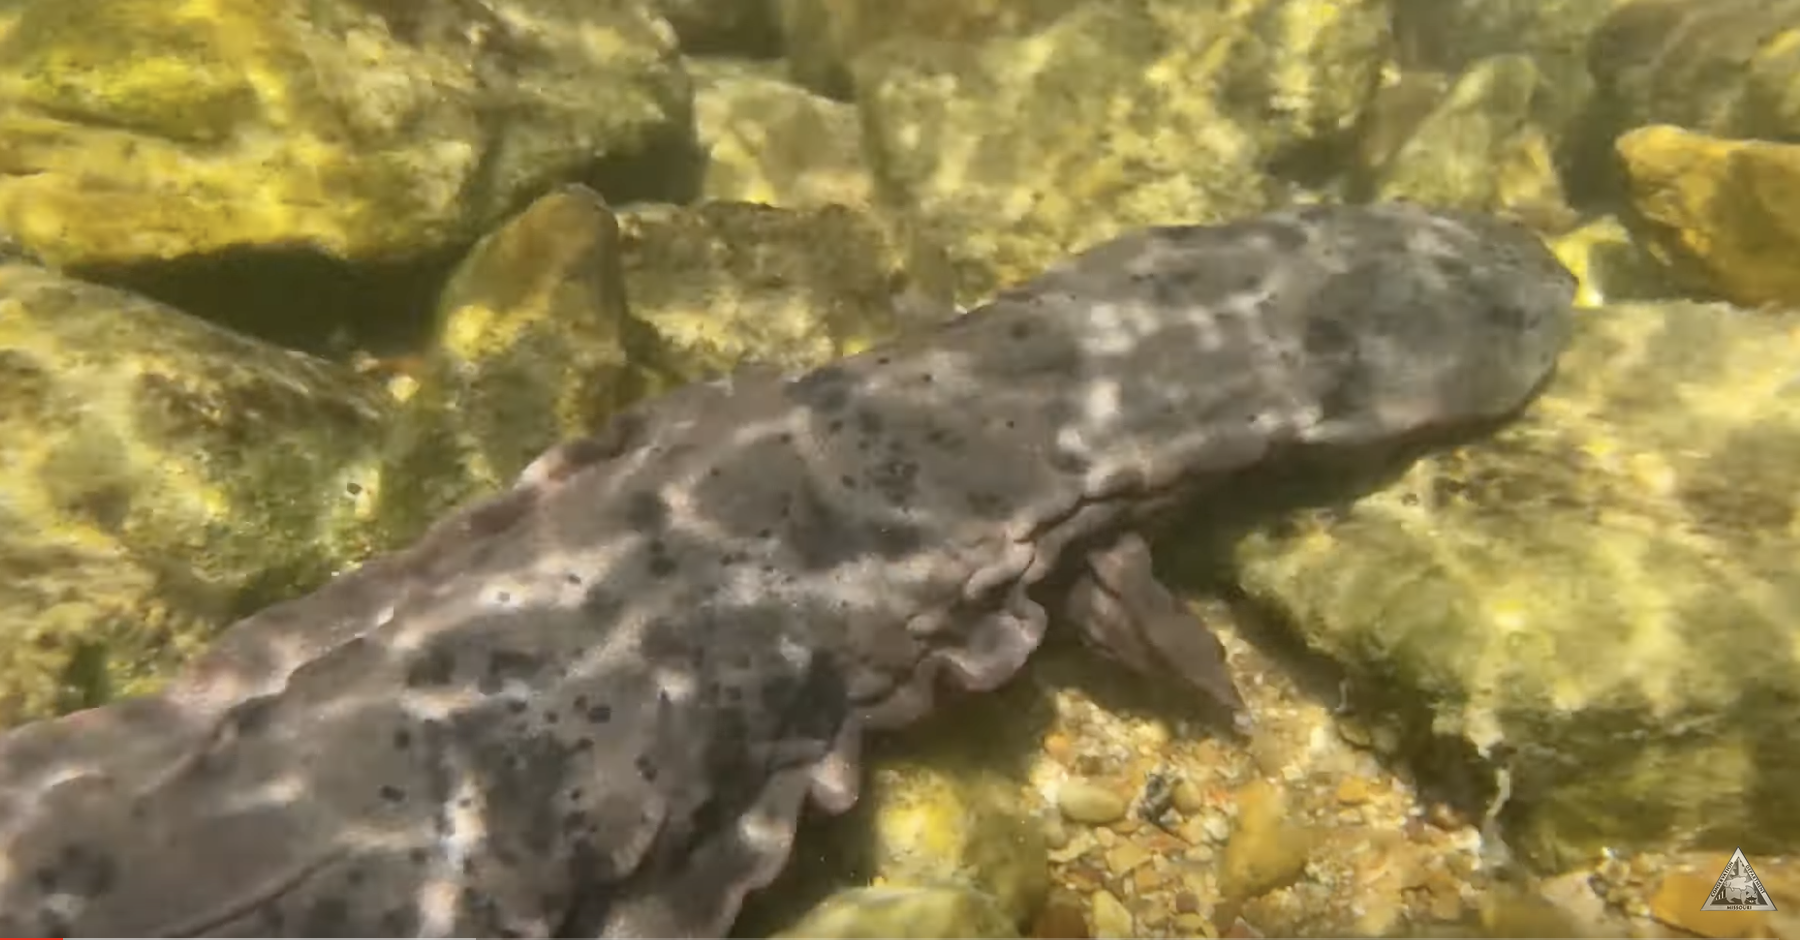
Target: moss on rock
column 1601, row 598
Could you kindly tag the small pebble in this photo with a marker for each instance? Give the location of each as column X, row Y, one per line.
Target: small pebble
column 1217, row 828
column 1187, row 798
column 1125, row 856
column 1355, row 791
column 1090, row 803
column 1192, row 925
column 1056, row 835
column 1108, row 915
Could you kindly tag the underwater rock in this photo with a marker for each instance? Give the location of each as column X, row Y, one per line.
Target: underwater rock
column 1723, row 214
column 1600, row 599
column 162, row 476
column 137, row 131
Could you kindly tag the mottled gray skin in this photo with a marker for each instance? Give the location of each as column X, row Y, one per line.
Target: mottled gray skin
column 597, row 704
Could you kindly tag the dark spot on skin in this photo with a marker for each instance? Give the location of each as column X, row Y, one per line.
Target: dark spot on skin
column 667, row 641
column 599, row 714
column 940, row 438
column 1285, row 237
column 516, row 706
column 522, row 776
column 825, row 390
column 1328, row 337
column 550, row 717
column 1510, row 318
column 354, row 489
column 500, row 513
column 504, row 665
column 836, row 426
column 896, row 481
column 392, row 794
column 984, row 503
column 895, row 541
column 927, row 378
column 847, row 481
column 612, row 441
column 504, row 597
column 434, row 667
column 814, row 701
column 418, row 856
column 399, row 922
column 1348, row 396
column 646, row 512
column 572, row 578
column 1019, row 330
column 1063, row 461
column 584, row 743
column 252, row 716
column 868, row 421
column 600, row 604
column 328, row 917
column 402, row 739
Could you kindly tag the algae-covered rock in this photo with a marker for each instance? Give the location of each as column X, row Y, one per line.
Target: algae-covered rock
column 923, row 911
column 137, row 130
column 723, row 27
column 727, row 283
column 1723, row 213
column 158, row 478
column 1727, row 67
column 1012, row 153
column 768, row 140
column 533, row 344
column 950, row 854
column 1450, row 35
column 824, row 38
column 1483, row 147
column 1602, row 597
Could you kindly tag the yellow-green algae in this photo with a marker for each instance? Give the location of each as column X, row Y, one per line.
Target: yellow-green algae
column 133, row 130
column 729, row 283
column 533, row 345
column 1603, row 597
column 161, row 476
column 1012, row 153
